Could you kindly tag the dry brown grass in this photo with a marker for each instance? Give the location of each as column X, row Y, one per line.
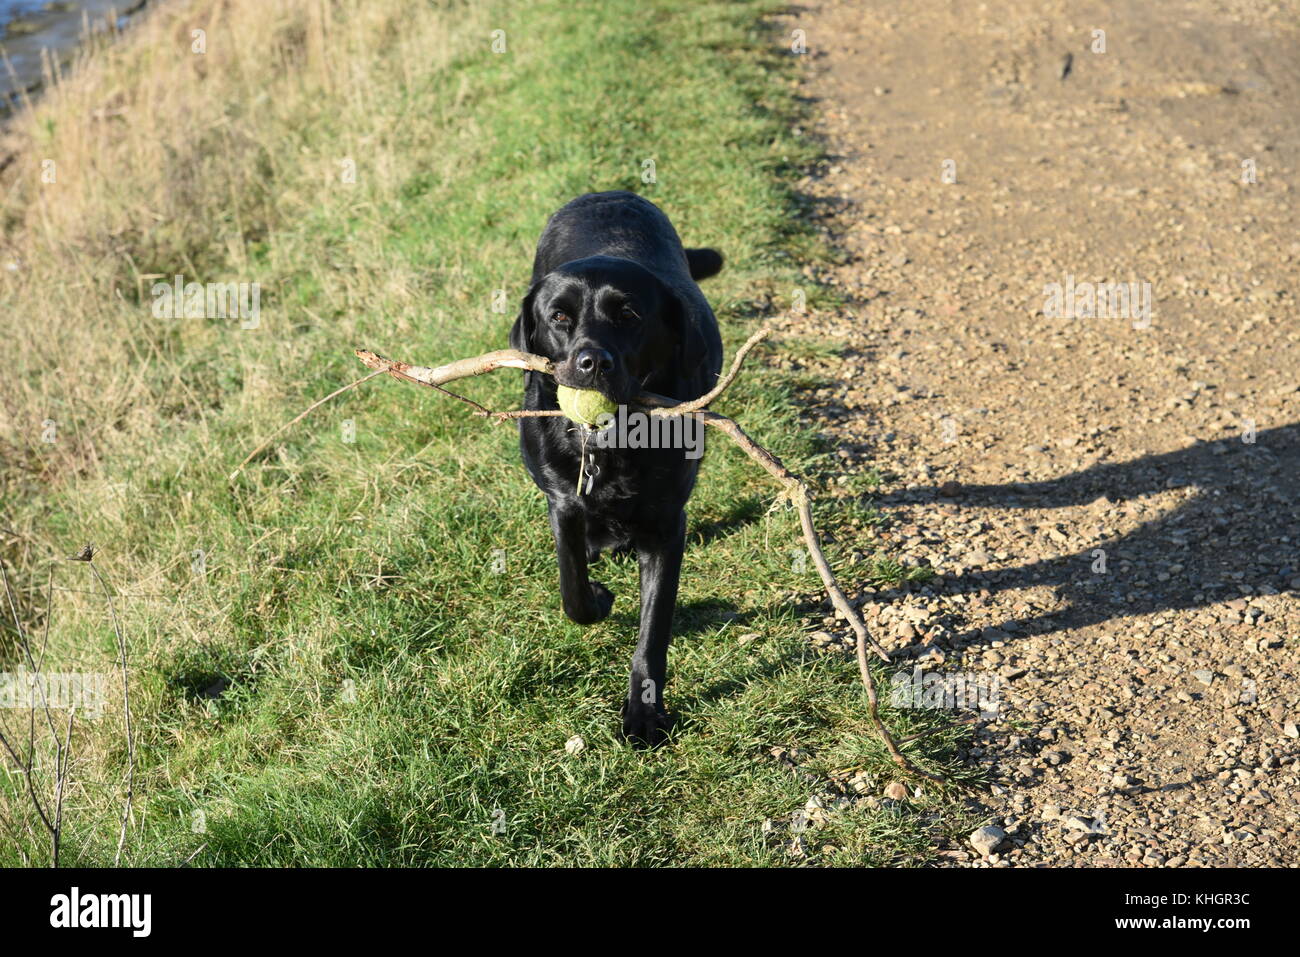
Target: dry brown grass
column 166, row 161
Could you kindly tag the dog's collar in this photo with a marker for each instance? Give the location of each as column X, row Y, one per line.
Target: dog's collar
column 587, row 467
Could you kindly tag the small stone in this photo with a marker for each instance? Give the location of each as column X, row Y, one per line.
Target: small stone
column 950, row 489
column 988, row 839
column 1290, row 730
column 897, row 791
column 1204, row 677
column 790, row 757
column 860, row 782
column 1082, row 824
column 575, row 744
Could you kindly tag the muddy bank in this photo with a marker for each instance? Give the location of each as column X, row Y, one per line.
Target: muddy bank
column 28, row 28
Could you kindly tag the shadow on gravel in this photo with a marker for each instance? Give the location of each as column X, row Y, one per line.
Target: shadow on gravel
column 1242, row 527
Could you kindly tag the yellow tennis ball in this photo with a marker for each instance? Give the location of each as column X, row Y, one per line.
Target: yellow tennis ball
column 584, row 406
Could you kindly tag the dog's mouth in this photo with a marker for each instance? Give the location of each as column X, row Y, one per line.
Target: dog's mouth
column 616, row 387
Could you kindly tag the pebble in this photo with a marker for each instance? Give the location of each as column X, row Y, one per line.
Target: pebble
column 988, row 839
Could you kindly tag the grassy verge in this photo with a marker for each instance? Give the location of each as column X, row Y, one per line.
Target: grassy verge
column 354, row 655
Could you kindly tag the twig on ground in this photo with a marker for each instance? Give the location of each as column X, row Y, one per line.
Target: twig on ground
column 61, row 762
column 186, row 862
column 53, row 819
column 25, row 766
column 88, row 556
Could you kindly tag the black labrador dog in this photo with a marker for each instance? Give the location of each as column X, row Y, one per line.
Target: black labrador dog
column 614, row 304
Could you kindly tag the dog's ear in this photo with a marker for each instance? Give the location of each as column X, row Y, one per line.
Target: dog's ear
column 692, row 347
column 703, row 263
column 521, row 333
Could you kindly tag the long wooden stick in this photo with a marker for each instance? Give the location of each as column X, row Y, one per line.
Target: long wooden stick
column 461, row 369
column 659, row 405
column 435, row 377
column 802, row 501
column 794, row 488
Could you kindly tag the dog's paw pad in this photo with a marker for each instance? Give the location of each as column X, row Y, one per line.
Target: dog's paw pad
column 645, row 726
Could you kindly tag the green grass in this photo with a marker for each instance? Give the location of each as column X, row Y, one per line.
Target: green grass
column 389, row 692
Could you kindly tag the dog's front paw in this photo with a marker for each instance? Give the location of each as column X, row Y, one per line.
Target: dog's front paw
column 603, row 599
column 595, row 609
column 645, row 725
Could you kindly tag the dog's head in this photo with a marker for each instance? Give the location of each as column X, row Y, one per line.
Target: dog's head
column 608, row 324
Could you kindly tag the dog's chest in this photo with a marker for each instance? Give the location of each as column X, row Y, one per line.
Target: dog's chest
column 604, row 477
column 627, row 485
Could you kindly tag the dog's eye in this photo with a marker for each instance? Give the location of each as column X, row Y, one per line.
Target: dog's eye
column 558, row 316
column 627, row 312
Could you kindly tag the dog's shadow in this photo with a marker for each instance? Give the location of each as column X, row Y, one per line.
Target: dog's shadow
column 691, row 618
column 744, row 512
column 1240, row 528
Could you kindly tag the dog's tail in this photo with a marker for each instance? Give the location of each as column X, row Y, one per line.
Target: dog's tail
column 703, row 263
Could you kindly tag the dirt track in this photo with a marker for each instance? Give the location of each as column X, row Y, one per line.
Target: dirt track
column 1110, row 500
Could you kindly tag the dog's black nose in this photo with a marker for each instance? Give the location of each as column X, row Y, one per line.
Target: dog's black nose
column 587, row 361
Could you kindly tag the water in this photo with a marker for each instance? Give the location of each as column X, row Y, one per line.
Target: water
column 27, row 26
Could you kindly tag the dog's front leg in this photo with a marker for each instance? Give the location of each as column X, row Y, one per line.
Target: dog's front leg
column 584, row 600
column 645, row 720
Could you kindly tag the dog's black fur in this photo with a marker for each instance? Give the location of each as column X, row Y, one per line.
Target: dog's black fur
column 614, row 304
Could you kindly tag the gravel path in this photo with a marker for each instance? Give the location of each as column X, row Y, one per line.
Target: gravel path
column 1110, row 502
